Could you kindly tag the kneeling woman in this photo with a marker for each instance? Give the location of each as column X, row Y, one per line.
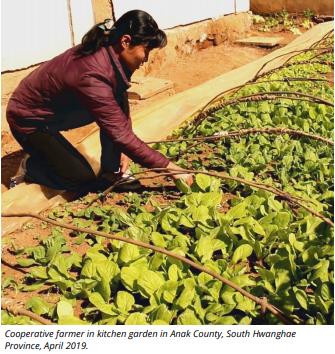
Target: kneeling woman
column 84, row 84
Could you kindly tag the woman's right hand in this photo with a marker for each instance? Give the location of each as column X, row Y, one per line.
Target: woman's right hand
column 186, row 177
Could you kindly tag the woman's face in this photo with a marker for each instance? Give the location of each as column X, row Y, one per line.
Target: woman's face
column 133, row 56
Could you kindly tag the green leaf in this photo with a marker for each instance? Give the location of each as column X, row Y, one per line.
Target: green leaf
column 39, row 272
column 301, row 298
column 246, row 305
column 173, row 272
column 60, row 264
column 211, row 199
column 9, row 282
column 107, row 270
column 282, row 219
column 188, row 317
column 149, row 281
column 129, row 277
column 243, row 280
column 169, row 290
column 321, row 271
column 54, row 244
column 97, row 300
column 103, row 287
column 185, row 298
column 242, row 252
column 128, row 253
column 25, row 262
column 64, row 309
column 161, row 313
column 38, row 305
column 226, row 320
column 38, row 253
column 258, row 228
column 204, row 248
column 325, row 292
column 186, row 221
column 274, row 204
column 203, row 181
column 37, row 285
column 158, row 239
column 201, row 214
column 124, row 301
column 89, row 269
column 236, row 212
column 282, row 280
column 183, row 186
column 136, row 318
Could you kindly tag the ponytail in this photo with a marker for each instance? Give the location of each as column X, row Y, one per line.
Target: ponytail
column 141, row 27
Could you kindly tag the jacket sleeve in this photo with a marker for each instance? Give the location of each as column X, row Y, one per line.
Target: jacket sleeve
column 96, row 94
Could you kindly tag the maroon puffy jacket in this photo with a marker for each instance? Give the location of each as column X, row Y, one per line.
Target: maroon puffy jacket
column 70, row 82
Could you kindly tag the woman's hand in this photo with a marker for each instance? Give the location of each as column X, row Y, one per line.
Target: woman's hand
column 186, row 177
column 124, row 163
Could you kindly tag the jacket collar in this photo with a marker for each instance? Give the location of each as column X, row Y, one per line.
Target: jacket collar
column 124, row 72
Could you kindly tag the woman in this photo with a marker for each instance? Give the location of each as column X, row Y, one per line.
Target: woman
column 84, row 84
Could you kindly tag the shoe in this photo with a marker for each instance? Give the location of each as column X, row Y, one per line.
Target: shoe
column 21, row 173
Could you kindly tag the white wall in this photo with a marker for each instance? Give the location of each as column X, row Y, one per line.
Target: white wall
column 171, row 13
column 34, row 31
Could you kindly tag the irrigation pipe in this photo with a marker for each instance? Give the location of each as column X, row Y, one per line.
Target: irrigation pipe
column 260, row 301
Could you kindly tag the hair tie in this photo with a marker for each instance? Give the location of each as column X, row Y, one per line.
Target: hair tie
column 107, row 26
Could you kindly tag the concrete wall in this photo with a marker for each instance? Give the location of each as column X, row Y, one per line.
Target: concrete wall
column 320, row 7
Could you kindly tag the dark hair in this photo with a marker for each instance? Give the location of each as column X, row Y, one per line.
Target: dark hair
column 142, row 28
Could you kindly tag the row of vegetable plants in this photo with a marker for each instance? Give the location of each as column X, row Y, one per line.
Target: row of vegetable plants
column 250, row 242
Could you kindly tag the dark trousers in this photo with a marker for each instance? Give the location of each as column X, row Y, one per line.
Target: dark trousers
column 57, row 164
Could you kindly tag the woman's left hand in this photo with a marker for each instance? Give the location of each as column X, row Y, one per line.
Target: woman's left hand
column 124, row 164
